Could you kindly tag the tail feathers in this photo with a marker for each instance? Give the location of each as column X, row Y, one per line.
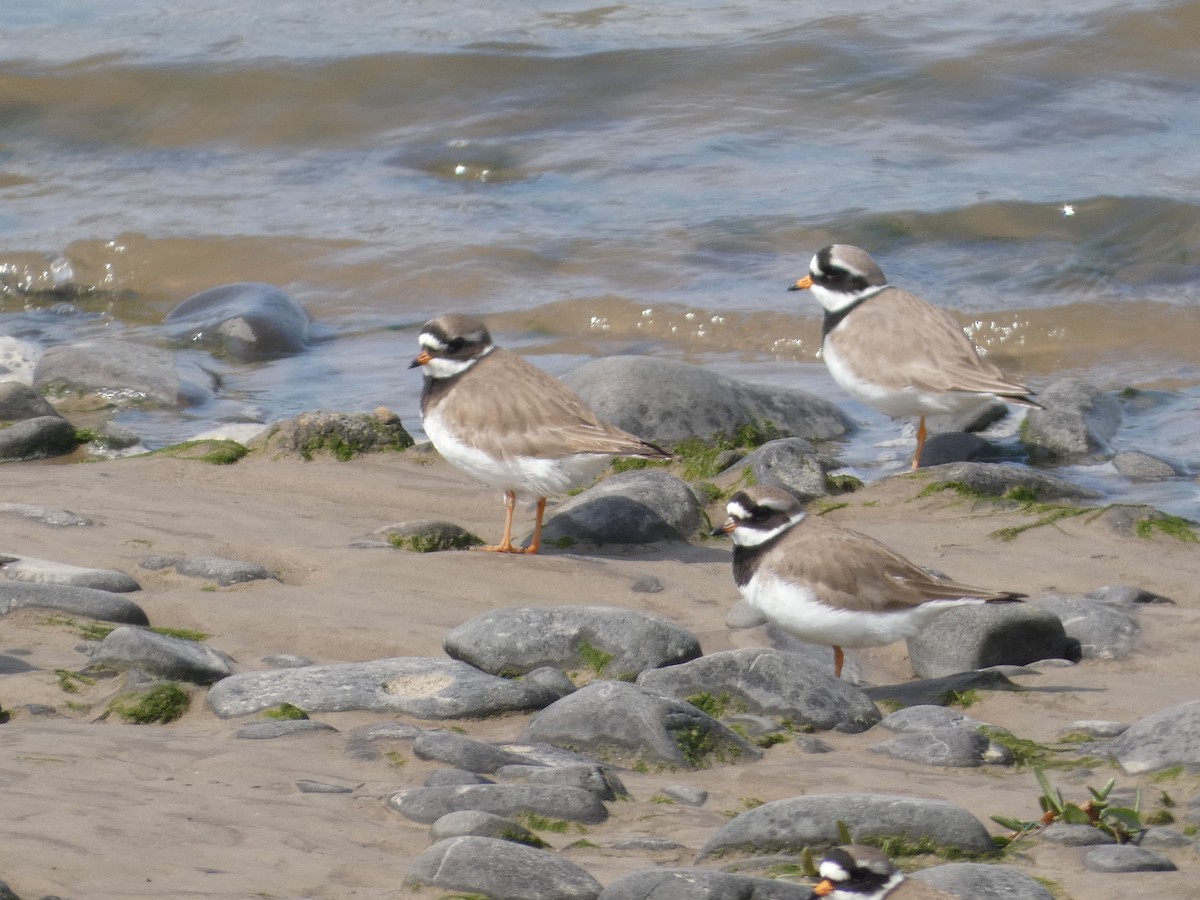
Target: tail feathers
column 1005, row 597
column 1025, row 400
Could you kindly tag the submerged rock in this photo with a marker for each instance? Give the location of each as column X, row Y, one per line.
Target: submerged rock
column 1078, row 421
column 122, row 373
column 245, row 321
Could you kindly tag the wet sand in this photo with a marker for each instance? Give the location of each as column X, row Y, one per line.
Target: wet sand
column 102, row 809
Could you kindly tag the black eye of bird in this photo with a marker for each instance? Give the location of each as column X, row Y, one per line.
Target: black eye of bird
column 455, row 345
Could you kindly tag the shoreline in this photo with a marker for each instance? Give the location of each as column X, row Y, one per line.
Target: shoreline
column 225, row 817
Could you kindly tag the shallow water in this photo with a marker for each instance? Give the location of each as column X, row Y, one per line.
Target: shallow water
column 613, row 179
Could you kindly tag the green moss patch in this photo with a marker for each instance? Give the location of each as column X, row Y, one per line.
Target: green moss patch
column 162, row 703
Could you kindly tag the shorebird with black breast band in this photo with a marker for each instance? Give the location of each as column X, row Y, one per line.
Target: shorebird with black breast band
column 894, row 351
column 829, row 585
column 509, row 424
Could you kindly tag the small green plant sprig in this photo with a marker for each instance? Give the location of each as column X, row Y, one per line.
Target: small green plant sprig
column 1122, row 823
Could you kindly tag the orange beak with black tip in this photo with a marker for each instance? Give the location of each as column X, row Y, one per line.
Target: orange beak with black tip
column 421, row 358
column 727, row 528
column 824, row 889
column 802, row 285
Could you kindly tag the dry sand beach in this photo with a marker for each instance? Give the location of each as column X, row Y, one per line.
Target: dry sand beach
column 100, row 809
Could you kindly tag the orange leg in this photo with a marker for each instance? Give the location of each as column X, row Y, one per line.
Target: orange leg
column 505, row 545
column 920, row 443
column 838, row 658
column 536, row 543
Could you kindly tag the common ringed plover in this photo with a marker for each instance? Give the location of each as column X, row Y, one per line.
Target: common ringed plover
column 830, row 585
column 508, row 423
column 892, row 350
column 858, row 872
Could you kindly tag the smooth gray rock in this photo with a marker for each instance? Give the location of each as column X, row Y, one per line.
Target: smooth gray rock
column 647, row 584
column 342, row 435
column 43, row 515
column 666, row 401
column 1162, row 740
column 168, row 657
column 552, row 680
column 743, row 615
column 500, row 870
column 600, row 780
column 700, row 884
column 953, row 447
column 77, row 601
column 306, row 786
column 927, row 717
column 428, row 804
column 624, row 723
column 125, row 373
column 477, row 823
column 263, row 731
column 1165, row 838
column 789, row 463
column 370, row 742
column 1078, row 421
column 992, row 634
column 463, row 752
column 1105, row 629
column 225, row 572
column 445, row 777
column 791, row 825
column 940, row 691
column 604, row 640
column 1126, row 858
column 46, row 571
column 40, row 438
column 245, row 321
column 688, row 796
column 637, row 507
column 999, row 479
column 1075, row 835
column 981, row 881
column 1142, row 466
column 18, row 401
column 947, row 747
column 771, row 683
column 415, row 686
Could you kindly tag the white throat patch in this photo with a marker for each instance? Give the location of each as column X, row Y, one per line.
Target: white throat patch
column 836, row 301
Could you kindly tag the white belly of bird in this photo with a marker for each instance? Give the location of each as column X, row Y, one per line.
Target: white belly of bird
column 902, row 400
column 529, row 476
column 797, row 610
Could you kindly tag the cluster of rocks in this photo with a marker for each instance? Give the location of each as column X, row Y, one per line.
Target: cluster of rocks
column 608, row 691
